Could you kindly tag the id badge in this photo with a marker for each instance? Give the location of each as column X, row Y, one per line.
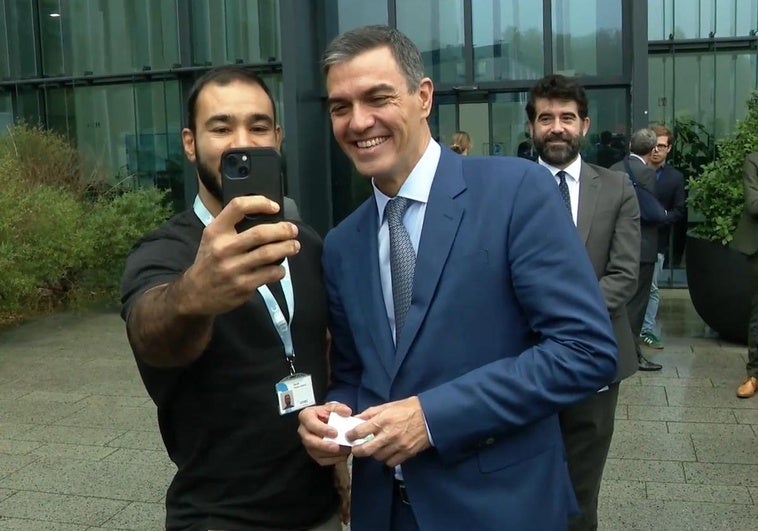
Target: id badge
column 294, row 393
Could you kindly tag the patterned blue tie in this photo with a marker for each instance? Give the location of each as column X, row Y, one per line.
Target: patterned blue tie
column 402, row 260
column 564, row 189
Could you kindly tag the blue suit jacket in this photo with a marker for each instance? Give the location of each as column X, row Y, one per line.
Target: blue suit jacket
column 507, row 326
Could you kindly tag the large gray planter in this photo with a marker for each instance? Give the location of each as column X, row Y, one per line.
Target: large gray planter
column 721, row 285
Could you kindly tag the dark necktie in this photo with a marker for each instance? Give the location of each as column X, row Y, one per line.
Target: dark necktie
column 402, row 260
column 563, row 187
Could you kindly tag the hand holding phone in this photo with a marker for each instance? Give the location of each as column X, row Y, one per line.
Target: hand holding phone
column 253, row 171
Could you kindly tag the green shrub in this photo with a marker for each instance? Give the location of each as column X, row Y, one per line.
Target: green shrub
column 63, row 236
column 718, row 192
column 113, row 225
column 44, row 157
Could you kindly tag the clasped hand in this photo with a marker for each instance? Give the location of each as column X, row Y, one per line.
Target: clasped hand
column 396, row 431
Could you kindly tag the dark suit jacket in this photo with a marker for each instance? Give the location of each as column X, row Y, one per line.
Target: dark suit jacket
column 669, row 188
column 645, row 175
column 507, row 326
column 609, row 224
column 746, row 236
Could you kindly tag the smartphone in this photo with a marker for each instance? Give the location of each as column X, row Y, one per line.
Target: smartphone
column 253, row 171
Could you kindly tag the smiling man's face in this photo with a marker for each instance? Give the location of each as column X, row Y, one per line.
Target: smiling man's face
column 558, row 130
column 377, row 122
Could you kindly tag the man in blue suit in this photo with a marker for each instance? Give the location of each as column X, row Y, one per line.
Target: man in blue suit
column 460, row 379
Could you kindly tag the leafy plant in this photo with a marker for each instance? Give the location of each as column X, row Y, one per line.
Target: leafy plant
column 718, row 192
column 64, row 235
column 693, row 146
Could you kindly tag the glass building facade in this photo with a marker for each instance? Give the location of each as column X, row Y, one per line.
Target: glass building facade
column 113, row 75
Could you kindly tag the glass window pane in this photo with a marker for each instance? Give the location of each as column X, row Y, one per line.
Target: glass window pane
column 59, row 111
column 509, row 125
column 694, row 19
column 108, row 36
column 507, row 40
column 244, row 31
column 106, row 119
column 28, row 105
column 436, row 26
column 694, row 88
column 609, row 123
column 587, row 37
column 735, row 18
column 660, row 88
column 17, row 52
column 6, row 112
column 737, row 79
column 252, row 30
column 442, row 121
column 356, row 13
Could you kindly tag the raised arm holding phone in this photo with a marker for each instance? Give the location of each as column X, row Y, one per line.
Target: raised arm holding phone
column 226, row 314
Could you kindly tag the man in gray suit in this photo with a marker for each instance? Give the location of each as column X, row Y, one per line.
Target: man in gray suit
column 746, row 241
column 604, row 208
column 640, row 149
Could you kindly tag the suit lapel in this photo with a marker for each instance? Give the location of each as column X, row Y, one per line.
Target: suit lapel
column 441, row 221
column 368, row 283
column 589, row 186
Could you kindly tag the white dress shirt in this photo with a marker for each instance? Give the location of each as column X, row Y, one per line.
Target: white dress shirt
column 416, row 188
column 573, row 171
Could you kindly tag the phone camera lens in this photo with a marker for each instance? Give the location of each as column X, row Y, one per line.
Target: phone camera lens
column 232, row 161
column 242, row 171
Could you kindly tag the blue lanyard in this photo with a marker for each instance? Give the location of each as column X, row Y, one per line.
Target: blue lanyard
column 275, row 312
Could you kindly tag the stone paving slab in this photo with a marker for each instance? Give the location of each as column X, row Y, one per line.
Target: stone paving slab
column 80, row 448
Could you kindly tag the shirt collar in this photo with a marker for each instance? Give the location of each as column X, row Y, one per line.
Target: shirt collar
column 418, row 184
column 573, row 170
column 634, row 155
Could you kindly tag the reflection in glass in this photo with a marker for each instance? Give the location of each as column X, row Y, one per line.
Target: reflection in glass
column 59, row 111
column 660, row 88
column 17, row 52
column 587, row 37
column 103, row 37
column 736, row 18
column 509, row 123
column 356, row 13
column 507, row 39
column 106, row 121
column 693, row 19
column 442, row 119
column 229, row 31
column 6, row 112
column 436, row 27
column 607, row 141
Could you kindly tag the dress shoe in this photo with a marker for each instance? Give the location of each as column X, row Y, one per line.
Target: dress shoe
column 748, row 388
column 645, row 364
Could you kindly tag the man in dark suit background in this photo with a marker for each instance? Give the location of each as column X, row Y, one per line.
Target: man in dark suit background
column 460, row 374
column 746, row 241
column 641, row 146
column 604, row 208
column 669, row 188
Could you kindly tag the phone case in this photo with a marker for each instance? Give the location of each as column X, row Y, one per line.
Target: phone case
column 253, row 171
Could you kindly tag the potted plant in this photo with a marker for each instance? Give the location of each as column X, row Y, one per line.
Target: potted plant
column 719, row 279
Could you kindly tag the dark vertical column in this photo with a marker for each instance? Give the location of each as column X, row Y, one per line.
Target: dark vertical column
column 635, row 56
column 306, row 130
column 184, row 24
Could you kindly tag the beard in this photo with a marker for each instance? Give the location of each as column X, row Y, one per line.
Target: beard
column 558, row 155
column 211, row 179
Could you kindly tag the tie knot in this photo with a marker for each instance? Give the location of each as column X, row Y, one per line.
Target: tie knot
column 395, row 209
column 562, row 176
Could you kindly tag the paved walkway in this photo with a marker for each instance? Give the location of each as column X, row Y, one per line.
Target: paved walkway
column 79, row 444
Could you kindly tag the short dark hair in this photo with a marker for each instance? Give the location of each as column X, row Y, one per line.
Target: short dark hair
column 223, row 75
column 354, row 42
column 557, row 87
column 643, row 141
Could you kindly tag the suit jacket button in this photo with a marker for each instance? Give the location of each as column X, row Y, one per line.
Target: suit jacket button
column 489, row 441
